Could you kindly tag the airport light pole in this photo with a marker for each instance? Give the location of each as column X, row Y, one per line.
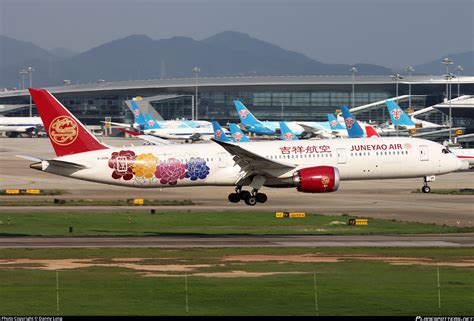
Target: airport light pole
column 23, row 72
column 448, row 77
column 446, row 61
column 30, row 71
column 354, row 70
column 409, row 69
column 459, row 69
column 196, row 70
column 396, row 77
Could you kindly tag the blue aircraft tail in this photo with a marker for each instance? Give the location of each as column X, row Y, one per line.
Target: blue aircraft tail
column 245, row 115
column 333, row 123
column 353, row 128
column 286, row 133
column 237, row 135
column 137, row 115
column 151, row 123
column 219, row 134
column 397, row 115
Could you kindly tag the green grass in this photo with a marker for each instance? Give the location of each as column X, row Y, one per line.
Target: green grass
column 146, row 224
column 462, row 191
column 90, row 202
column 353, row 287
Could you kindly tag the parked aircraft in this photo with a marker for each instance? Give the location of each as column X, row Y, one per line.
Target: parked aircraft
column 326, row 129
column 399, row 118
column 15, row 126
column 310, row 166
column 354, row 130
column 237, row 135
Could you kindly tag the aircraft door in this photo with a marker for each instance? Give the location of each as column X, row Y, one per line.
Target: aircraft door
column 424, row 155
column 223, row 160
column 341, row 155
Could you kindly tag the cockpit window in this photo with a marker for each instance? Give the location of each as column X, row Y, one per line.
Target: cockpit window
column 445, row 151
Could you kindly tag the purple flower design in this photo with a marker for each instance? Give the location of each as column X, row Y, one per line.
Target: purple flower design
column 170, row 171
column 197, row 168
column 122, row 162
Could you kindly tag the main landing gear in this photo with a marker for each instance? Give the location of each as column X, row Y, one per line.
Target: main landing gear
column 426, row 179
column 250, row 198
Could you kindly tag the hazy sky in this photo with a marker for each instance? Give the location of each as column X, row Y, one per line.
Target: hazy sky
column 393, row 33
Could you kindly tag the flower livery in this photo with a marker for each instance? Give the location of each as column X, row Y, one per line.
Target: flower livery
column 122, row 163
column 170, row 171
column 145, row 165
column 196, row 168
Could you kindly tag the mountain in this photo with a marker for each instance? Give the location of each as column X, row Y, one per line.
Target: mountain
column 465, row 59
column 62, row 52
column 140, row 57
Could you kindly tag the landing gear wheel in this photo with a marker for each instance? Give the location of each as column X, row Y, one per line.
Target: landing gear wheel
column 426, row 189
column 261, row 197
column 234, row 198
column 251, row 200
column 244, row 195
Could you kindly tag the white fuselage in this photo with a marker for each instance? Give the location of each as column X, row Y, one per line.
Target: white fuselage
column 211, row 164
column 19, row 124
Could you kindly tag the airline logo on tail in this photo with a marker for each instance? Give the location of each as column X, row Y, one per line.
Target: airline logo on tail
column 333, row 123
column 243, row 113
column 218, row 133
column 237, row 136
column 397, row 113
column 63, row 130
column 151, row 122
column 349, row 122
column 137, row 113
column 288, row 136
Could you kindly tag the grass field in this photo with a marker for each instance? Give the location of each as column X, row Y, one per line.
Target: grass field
column 364, row 282
column 146, row 224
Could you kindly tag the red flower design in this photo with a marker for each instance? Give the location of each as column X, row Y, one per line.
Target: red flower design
column 170, row 171
column 122, row 162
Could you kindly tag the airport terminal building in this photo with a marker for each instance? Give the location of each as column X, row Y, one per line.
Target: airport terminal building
column 307, row 98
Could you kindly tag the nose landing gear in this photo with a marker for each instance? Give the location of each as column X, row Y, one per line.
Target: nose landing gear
column 426, row 179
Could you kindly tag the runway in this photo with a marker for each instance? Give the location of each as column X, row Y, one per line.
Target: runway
column 243, row 241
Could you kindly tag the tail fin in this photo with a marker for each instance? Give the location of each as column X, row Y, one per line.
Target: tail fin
column 151, row 123
column 137, row 115
column 353, row 128
column 371, row 132
column 286, row 133
column 397, row 115
column 219, row 134
column 67, row 134
column 333, row 123
column 245, row 115
column 237, row 134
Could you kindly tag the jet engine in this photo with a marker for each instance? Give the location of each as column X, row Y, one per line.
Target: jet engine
column 318, row 179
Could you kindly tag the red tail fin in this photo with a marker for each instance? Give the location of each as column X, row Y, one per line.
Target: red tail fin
column 67, row 134
column 371, row 132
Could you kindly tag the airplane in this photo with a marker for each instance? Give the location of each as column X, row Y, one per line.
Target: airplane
column 15, row 126
column 140, row 121
column 237, row 135
column 286, row 133
column 324, row 129
column 354, row 130
column 399, row 118
column 309, row 166
column 219, row 133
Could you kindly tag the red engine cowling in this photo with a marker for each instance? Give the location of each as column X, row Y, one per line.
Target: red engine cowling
column 318, row 179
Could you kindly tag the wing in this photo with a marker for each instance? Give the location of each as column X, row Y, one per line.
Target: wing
column 252, row 163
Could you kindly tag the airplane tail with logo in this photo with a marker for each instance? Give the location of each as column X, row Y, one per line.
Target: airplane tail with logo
column 397, row 115
column 237, row 135
column 333, row 123
column 66, row 133
column 151, row 123
column 219, row 134
column 286, row 133
column 353, row 128
column 246, row 117
column 137, row 115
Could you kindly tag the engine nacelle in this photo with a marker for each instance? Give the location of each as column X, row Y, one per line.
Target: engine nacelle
column 318, row 179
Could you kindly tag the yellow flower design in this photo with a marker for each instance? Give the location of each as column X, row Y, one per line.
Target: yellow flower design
column 145, row 165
